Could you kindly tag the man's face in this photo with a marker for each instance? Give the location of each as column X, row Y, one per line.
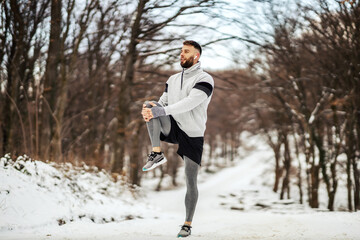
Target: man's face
column 188, row 53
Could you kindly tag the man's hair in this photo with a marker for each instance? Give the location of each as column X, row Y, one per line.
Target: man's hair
column 194, row 44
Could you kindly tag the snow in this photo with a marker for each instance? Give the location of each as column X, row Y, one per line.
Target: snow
column 34, row 194
column 48, row 201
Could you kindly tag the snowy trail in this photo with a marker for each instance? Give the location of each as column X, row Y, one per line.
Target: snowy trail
column 212, row 221
column 208, row 202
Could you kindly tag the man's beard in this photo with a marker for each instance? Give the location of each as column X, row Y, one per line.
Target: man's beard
column 188, row 63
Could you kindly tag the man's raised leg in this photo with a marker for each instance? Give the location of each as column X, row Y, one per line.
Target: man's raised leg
column 155, row 127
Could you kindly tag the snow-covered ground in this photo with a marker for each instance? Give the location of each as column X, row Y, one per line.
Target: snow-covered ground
column 44, row 201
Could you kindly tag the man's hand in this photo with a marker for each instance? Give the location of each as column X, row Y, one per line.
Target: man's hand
column 146, row 112
column 152, row 112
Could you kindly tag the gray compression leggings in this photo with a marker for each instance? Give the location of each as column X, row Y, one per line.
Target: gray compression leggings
column 163, row 125
column 192, row 194
column 156, row 126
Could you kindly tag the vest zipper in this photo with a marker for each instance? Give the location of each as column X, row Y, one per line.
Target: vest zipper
column 182, row 74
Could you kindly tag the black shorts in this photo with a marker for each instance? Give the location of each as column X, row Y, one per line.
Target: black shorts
column 192, row 147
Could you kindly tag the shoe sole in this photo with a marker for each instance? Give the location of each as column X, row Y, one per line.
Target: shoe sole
column 164, row 160
column 180, row 236
column 183, row 236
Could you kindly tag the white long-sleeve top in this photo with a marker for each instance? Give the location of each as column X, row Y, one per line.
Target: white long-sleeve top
column 186, row 98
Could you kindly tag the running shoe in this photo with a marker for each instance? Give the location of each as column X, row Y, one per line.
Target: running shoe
column 185, row 231
column 154, row 159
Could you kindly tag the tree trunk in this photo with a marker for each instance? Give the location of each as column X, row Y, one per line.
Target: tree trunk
column 334, row 187
column 318, row 139
column 355, row 141
column 300, row 182
column 123, row 113
column 312, row 176
column 356, row 180
column 299, row 169
column 135, row 154
column 315, row 181
column 12, row 120
column 314, row 171
column 5, row 116
column 308, row 174
column 211, row 150
column 7, row 110
column 335, row 144
column 350, row 153
column 51, row 76
column 287, row 166
column 278, row 168
column 357, row 160
column 233, row 145
column 119, row 152
column 357, row 185
column 349, row 183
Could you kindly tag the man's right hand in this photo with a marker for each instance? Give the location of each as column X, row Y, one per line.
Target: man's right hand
column 146, row 111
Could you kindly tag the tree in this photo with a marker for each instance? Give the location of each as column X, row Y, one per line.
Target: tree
column 308, row 74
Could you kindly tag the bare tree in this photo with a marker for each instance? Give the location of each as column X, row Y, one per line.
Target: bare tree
column 22, row 48
column 304, row 72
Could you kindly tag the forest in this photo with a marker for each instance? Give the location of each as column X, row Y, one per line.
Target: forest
column 74, row 75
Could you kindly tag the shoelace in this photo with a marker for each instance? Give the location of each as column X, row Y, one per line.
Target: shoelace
column 186, row 228
column 152, row 156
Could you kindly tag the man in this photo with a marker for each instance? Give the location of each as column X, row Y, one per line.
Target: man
column 180, row 118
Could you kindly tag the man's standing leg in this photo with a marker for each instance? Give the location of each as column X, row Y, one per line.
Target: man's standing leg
column 191, row 197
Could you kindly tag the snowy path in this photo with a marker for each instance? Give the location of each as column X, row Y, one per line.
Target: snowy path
column 212, row 221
